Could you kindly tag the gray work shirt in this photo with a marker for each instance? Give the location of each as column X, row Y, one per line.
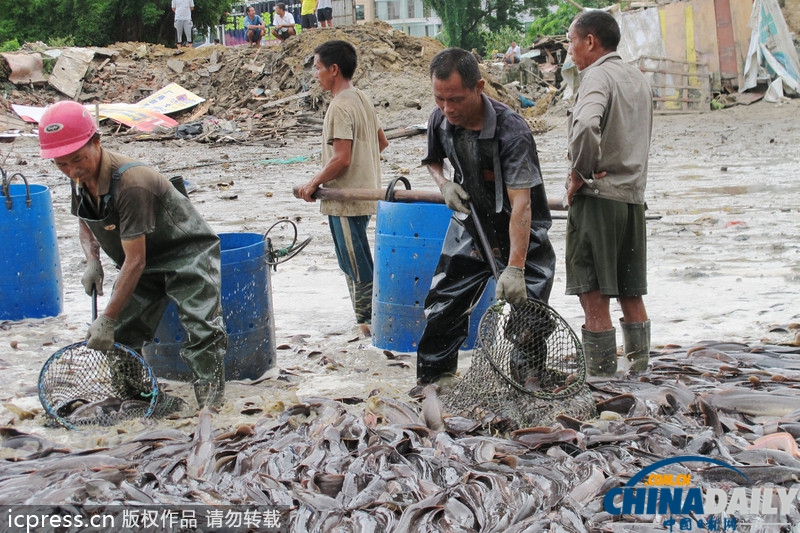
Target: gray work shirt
column 609, row 130
column 517, row 154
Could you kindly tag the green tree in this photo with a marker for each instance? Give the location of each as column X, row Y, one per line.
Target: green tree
column 100, row 22
column 557, row 23
column 469, row 23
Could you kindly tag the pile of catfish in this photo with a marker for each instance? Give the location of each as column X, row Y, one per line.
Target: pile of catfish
column 379, row 464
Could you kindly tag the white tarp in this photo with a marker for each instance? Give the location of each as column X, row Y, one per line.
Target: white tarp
column 641, row 34
column 771, row 54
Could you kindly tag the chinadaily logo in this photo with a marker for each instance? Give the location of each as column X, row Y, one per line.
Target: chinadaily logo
column 680, row 506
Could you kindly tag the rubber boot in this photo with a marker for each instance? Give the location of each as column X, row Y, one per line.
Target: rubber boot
column 600, row 352
column 636, row 343
column 361, row 299
column 209, row 394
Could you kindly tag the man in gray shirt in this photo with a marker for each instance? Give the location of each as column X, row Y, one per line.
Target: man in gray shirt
column 609, row 133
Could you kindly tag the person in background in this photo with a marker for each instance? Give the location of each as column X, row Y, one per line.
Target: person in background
column 254, row 26
column 325, row 13
column 609, row 133
column 352, row 141
column 308, row 14
column 163, row 248
column 513, row 54
column 283, row 22
column 497, row 180
column 183, row 21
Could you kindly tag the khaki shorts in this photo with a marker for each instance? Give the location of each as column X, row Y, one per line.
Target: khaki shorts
column 606, row 247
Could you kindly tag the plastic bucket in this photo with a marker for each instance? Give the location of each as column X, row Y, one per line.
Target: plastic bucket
column 408, row 242
column 246, row 308
column 30, row 268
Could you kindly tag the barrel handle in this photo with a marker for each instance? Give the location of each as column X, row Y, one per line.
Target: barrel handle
column 392, row 184
column 7, row 189
column 281, row 255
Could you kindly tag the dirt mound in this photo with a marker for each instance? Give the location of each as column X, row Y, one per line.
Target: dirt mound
column 268, row 91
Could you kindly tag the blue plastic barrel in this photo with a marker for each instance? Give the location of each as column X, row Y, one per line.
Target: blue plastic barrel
column 246, row 308
column 30, row 268
column 408, row 242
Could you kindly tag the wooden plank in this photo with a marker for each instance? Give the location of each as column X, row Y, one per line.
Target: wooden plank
column 8, row 122
column 676, row 88
column 705, row 39
column 691, row 53
column 674, row 61
column 282, row 101
column 740, row 16
column 726, row 42
column 668, row 71
column 71, row 67
column 675, row 14
column 663, row 85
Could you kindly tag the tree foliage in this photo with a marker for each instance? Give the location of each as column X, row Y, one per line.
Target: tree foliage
column 100, row 22
column 557, row 23
column 472, row 24
column 467, row 23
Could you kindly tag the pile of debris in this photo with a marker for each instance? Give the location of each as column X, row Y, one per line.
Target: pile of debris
column 255, row 95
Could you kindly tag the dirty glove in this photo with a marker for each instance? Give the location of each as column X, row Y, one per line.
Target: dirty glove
column 455, row 197
column 93, row 277
column 101, row 334
column 511, row 286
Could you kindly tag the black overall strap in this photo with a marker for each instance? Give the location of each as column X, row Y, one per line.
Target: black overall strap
column 121, row 170
column 118, row 174
column 498, row 170
column 450, row 148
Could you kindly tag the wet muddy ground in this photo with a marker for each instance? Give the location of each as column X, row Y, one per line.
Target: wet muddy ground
column 724, row 263
column 723, row 258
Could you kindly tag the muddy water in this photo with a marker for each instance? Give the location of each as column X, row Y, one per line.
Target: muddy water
column 723, row 257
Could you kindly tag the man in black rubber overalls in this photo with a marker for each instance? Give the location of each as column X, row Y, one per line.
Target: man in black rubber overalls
column 496, row 178
column 163, row 248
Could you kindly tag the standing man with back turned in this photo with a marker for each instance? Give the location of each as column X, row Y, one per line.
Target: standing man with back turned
column 352, row 142
column 609, row 141
column 496, row 167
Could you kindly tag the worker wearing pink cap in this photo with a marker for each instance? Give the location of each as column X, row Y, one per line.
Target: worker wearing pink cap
column 163, row 248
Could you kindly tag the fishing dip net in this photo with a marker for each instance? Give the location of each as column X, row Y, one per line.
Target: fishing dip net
column 527, row 368
column 79, row 386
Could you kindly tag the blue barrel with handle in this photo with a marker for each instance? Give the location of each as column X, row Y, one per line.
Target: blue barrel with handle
column 246, row 308
column 30, row 267
column 408, row 242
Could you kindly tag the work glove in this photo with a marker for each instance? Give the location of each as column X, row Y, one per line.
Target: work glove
column 93, row 277
column 511, row 286
column 101, row 334
column 455, row 197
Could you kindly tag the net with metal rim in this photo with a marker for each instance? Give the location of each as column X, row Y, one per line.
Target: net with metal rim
column 79, row 386
column 527, row 368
